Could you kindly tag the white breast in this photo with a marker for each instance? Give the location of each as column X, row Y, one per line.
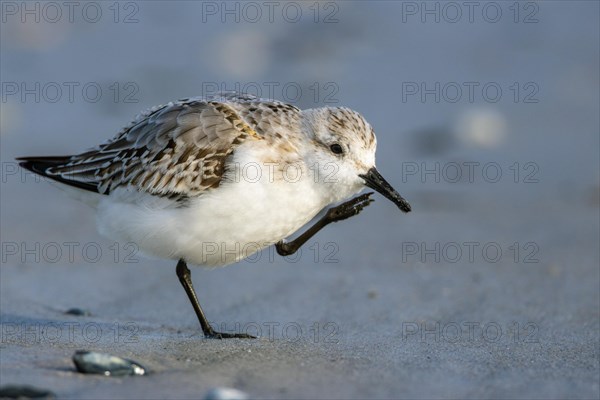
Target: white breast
column 251, row 211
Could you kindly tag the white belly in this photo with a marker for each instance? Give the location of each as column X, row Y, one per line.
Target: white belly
column 224, row 225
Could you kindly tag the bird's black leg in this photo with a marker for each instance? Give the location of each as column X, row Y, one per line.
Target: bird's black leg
column 185, row 277
column 343, row 211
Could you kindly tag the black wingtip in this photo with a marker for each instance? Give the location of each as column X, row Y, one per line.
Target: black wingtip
column 40, row 166
column 35, row 164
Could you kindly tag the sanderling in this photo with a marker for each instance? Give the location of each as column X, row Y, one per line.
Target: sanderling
column 212, row 180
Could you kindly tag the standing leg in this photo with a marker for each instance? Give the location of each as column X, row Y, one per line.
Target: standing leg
column 185, row 277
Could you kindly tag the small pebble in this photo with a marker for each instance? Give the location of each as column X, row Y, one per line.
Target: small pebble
column 223, row 393
column 89, row 362
column 24, row 392
column 78, row 312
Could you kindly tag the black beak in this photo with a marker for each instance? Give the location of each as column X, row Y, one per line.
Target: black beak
column 375, row 181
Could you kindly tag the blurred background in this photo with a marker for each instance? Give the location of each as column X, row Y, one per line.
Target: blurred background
column 487, row 121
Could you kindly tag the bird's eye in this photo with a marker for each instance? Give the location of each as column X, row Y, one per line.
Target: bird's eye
column 336, row 148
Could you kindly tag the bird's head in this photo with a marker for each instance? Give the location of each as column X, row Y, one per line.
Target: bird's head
column 343, row 154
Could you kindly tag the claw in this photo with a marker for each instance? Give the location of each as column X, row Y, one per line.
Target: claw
column 223, row 335
column 349, row 208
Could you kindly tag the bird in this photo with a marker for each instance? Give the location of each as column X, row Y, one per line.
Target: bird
column 211, row 180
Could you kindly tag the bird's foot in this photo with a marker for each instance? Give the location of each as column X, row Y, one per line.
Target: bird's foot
column 350, row 208
column 223, row 335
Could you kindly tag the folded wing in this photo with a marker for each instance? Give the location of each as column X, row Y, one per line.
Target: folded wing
column 176, row 150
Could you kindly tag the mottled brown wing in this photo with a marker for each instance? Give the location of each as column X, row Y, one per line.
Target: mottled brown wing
column 177, row 150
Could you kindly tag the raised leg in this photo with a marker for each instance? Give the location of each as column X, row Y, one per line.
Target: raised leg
column 343, row 211
column 185, row 277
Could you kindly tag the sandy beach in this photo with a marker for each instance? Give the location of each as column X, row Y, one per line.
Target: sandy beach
column 489, row 288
